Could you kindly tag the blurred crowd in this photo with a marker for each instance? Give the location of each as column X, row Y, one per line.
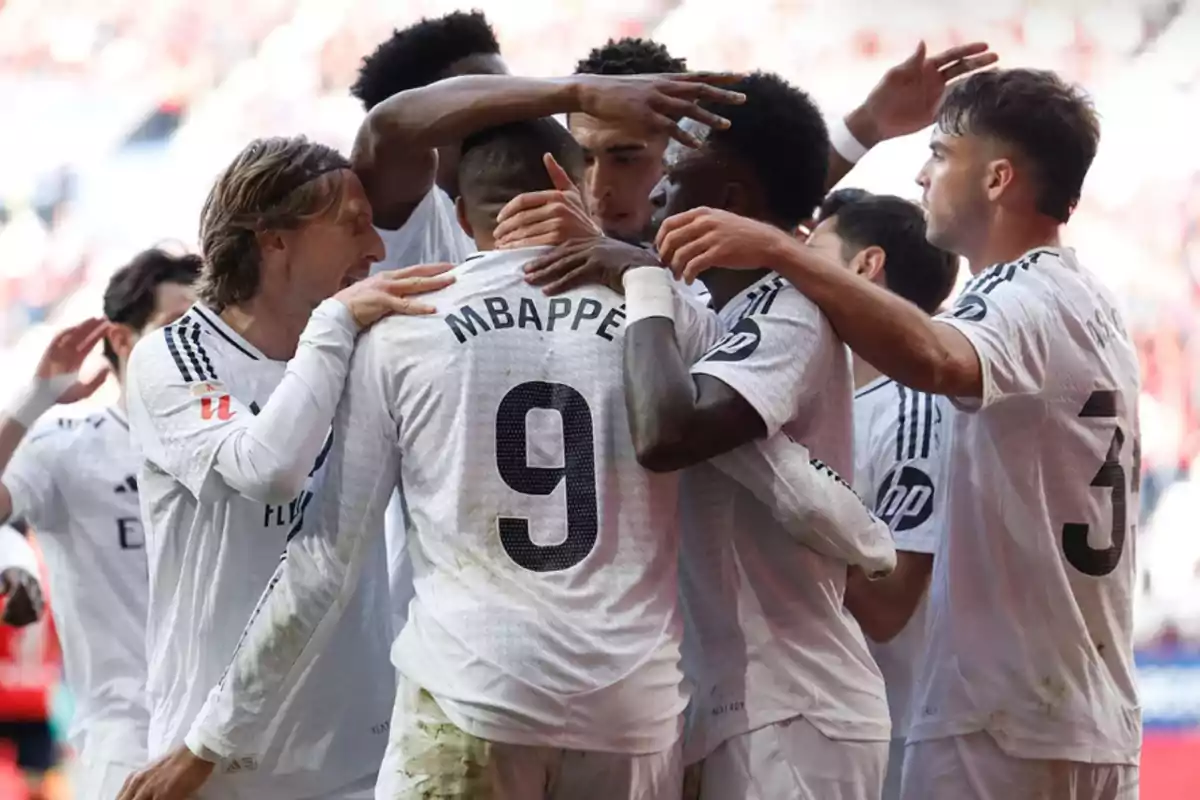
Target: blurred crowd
column 131, row 107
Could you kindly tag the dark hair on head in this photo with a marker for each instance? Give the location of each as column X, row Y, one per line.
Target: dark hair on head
column 781, row 134
column 1050, row 122
column 499, row 163
column 913, row 268
column 131, row 297
column 836, row 199
column 421, row 54
column 630, row 56
column 273, row 184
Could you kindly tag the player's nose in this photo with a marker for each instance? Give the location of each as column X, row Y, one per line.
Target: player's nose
column 374, row 249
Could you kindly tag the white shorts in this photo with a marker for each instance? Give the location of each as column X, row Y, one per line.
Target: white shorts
column 99, row 780
column 360, row 789
column 428, row 756
column 790, row 759
column 973, row 766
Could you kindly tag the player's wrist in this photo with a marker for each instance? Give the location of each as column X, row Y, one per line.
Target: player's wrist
column 649, row 292
column 202, row 751
column 853, row 135
column 337, row 310
column 38, row 397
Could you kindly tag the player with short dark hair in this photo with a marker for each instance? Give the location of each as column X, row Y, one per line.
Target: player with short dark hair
column 899, row 438
column 624, row 161
column 883, row 237
column 230, row 408
column 788, row 699
column 1021, row 691
column 74, row 480
column 834, row 201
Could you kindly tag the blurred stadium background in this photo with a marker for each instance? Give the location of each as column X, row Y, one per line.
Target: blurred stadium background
column 117, row 114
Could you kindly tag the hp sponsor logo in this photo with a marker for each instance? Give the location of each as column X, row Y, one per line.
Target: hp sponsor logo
column 738, row 344
column 905, row 498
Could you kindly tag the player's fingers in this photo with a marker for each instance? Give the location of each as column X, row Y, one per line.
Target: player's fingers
column 709, row 78
column 408, row 307
column 556, row 271
column 576, row 277
column 683, row 255
column 96, row 381
column 698, row 265
column 673, row 223
column 667, row 125
column 558, row 175
column 968, row 65
column 403, row 287
column 679, row 237
column 68, row 338
column 526, row 202
column 520, row 224
column 704, row 92
column 84, row 344
column 562, row 251
column 678, row 109
column 957, row 53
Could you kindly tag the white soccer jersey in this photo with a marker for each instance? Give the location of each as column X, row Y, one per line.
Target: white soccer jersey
column 213, row 551
column 898, row 438
column 430, row 235
column 1030, row 634
column 75, row 482
column 768, row 637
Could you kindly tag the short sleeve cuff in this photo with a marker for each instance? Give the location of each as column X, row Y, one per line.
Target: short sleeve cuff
column 972, row 404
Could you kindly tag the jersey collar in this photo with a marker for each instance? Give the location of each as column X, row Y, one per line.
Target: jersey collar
column 212, row 320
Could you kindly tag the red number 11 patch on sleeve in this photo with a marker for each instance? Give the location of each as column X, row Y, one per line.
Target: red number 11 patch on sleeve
column 218, row 407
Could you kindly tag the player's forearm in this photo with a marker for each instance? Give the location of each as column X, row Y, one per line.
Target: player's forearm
column 448, row 111
column 269, row 459
column 816, row 506
column 290, row 625
column 660, row 396
column 884, row 607
column 887, row 331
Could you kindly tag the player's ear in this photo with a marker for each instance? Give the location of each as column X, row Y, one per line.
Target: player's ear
column 999, row 178
column 121, row 339
column 460, row 211
column 869, row 263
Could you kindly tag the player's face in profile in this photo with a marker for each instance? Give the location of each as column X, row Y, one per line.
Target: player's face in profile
column 953, row 183
column 623, row 166
column 691, row 178
column 477, row 64
column 338, row 247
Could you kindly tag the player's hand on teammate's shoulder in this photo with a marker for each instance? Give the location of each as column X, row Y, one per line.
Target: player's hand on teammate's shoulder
column 703, row 238
column 597, row 261
column 23, row 601
column 549, row 217
column 176, row 776
column 907, row 97
column 658, row 102
column 393, row 292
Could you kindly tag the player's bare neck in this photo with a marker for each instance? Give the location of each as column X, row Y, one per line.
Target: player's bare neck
column 1010, row 238
column 274, row 329
column 725, row 284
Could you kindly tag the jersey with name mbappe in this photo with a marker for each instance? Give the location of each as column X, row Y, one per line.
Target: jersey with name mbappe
column 546, row 609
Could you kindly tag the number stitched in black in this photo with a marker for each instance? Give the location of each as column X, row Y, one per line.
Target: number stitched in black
column 578, row 470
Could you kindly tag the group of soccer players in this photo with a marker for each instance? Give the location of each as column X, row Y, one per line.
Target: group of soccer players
column 437, row 474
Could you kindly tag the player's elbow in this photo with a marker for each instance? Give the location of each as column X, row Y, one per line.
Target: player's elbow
column 660, row 445
column 273, row 485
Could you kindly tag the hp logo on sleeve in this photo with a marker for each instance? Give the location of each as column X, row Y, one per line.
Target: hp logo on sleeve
column 738, row 344
column 905, row 498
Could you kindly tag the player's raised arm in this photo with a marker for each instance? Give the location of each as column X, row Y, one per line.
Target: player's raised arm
column 904, row 101
column 395, row 149
column 56, row 380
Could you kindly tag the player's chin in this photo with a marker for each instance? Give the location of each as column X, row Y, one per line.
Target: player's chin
column 355, row 274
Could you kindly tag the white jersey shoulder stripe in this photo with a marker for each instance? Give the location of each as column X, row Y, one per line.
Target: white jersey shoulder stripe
column 215, row 328
column 914, row 423
column 992, row 277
